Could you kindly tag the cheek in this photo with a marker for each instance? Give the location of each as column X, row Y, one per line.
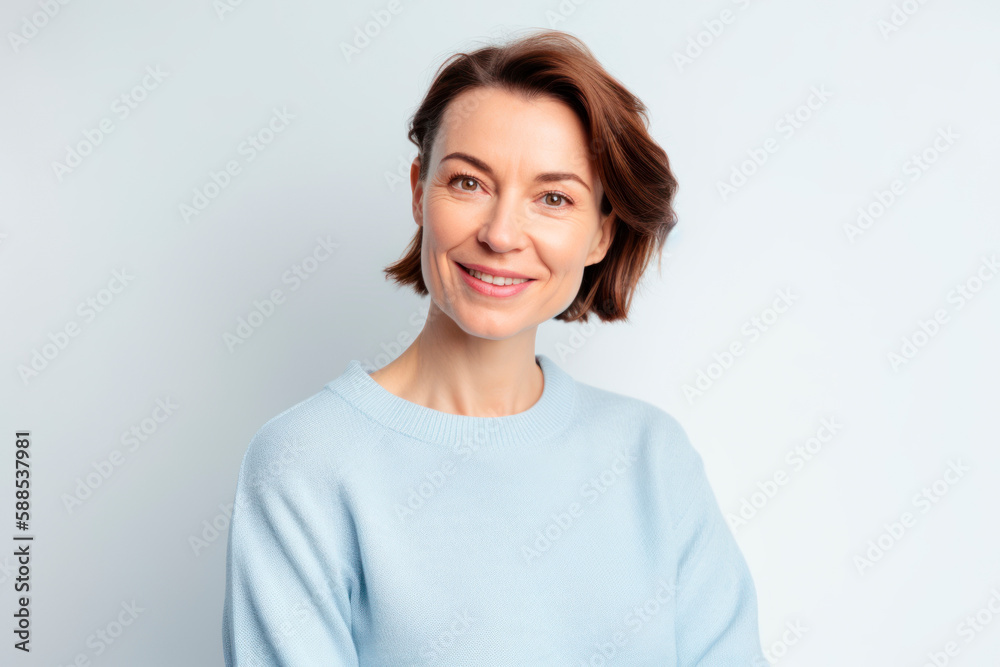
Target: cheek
column 563, row 252
column 448, row 225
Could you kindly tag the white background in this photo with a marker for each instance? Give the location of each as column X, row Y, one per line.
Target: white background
column 331, row 173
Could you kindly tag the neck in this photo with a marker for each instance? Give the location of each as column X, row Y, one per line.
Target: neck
column 449, row 370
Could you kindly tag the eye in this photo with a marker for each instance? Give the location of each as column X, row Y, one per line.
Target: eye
column 464, row 179
column 559, row 197
column 551, row 199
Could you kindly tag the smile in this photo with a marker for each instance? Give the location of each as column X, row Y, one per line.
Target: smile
column 496, row 280
column 493, row 285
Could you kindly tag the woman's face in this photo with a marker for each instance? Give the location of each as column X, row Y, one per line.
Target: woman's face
column 510, row 188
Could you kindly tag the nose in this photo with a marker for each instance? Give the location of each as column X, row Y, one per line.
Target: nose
column 502, row 230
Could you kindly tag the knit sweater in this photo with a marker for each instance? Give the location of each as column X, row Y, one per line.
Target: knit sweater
column 370, row 530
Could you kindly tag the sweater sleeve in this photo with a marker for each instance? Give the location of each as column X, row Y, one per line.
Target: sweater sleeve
column 287, row 598
column 716, row 623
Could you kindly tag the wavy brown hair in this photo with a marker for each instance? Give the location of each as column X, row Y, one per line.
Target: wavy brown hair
column 634, row 170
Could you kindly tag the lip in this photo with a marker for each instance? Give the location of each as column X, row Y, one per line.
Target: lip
column 489, row 289
column 495, row 272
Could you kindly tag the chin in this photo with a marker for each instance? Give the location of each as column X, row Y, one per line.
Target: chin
column 488, row 325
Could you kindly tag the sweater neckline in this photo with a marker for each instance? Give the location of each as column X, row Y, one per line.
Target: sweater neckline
column 550, row 413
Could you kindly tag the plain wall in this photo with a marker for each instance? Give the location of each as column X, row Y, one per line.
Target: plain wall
column 859, row 292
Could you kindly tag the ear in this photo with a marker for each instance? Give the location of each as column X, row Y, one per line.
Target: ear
column 606, row 234
column 417, row 188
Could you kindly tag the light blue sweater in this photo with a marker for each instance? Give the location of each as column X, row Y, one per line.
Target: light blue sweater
column 369, row 530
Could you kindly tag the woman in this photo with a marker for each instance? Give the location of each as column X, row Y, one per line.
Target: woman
column 470, row 503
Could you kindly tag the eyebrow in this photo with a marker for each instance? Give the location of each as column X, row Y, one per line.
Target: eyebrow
column 547, row 177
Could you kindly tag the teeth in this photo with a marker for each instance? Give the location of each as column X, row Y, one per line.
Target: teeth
column 496, row 280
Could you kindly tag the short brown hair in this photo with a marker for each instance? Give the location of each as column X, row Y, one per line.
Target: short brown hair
column 634, row 170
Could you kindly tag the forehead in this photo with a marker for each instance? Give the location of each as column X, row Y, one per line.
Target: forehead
column 502, row 127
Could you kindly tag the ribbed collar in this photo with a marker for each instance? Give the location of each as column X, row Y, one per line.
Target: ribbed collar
column 550, row 414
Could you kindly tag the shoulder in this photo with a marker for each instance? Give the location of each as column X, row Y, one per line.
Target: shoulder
column 668, row 460
column 309, row 440
column 635, row 418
